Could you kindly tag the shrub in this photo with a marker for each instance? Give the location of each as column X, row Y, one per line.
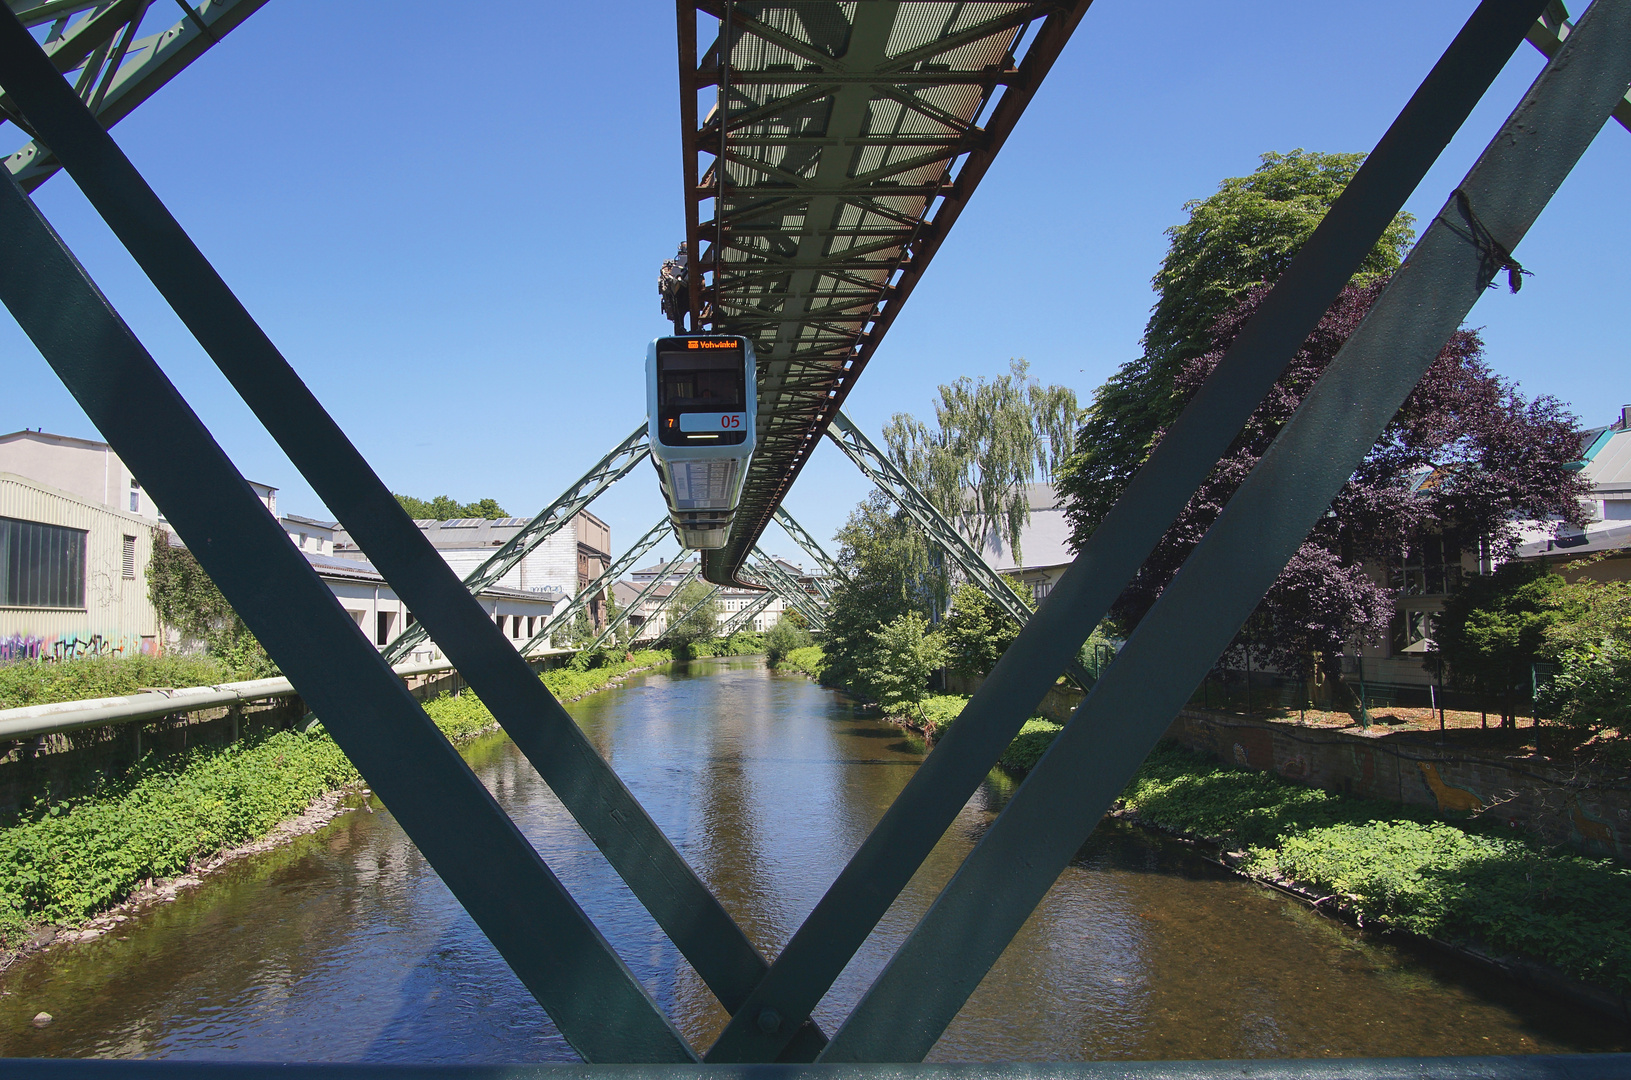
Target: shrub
column 809, row 660
column 1033, row 740
column 783, row 638
column 35, row 682
column 905, row 653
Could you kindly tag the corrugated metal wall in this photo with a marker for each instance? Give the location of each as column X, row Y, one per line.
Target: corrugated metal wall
column 118, row 618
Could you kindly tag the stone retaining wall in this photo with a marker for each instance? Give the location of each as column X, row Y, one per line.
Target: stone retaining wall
column 1590, row 813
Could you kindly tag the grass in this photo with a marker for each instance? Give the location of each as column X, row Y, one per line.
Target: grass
column 1399, row 868
column 36, row 682
column 64, row 862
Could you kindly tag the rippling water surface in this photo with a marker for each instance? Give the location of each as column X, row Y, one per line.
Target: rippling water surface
column 344, row 946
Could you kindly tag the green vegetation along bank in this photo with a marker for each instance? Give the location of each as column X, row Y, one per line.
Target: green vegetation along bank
column 1469, row 883
column 1397, row 868
column 62, row 863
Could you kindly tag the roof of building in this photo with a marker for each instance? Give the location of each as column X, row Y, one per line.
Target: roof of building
column 89, row 444
column 302, row 520
column 1607, row 461
column 1573, row 543
column 334, row 567
column 1044, row 541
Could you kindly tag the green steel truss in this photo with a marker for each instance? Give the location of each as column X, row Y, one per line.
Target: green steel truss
column 113, row 70
column 588, row 487
column 830, row 571
column 832, row 177
column 739, row 620
column 662, row 605
column 952, row 545
column 768, row 571
column 549, row 941
column 562, row 619
column 645, row 594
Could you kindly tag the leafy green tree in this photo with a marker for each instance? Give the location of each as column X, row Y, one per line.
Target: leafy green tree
column 1494, row 627
column 1244, row 235
column 889, row 574
column 904, row 654
column 989, row 440
column 446, row 508
column 977, row 632
column 582, row 631
column 788, row 634
column 1591, row 643
column 188, row 602
column 700, row 625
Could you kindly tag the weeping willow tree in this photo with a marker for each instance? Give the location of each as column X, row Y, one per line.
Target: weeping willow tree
column 989, row 440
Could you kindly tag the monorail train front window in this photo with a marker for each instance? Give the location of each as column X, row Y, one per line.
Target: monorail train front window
column 701, row 395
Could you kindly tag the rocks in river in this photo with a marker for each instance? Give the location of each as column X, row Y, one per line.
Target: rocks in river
column 41, row 1019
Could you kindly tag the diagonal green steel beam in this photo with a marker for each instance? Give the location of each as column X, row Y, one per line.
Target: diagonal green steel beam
column 549, row 738
column 645, row 593
column 475, row 848
column 162, row 57
column 662, row 606
column 1547, row 35
column 782, row 582
column 1229, row 571
column 741, row 618
column 585, row 596
column 940, row 787
column 548, row 521
column 830, row 570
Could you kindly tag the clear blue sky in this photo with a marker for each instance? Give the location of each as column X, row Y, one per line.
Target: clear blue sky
column 452, row 228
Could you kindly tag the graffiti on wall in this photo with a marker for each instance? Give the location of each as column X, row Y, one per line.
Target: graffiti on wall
column 66, row 647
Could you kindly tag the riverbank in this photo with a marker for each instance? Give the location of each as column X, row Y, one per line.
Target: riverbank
column 1544, row 915
column 72, row 867
column 1475, row 887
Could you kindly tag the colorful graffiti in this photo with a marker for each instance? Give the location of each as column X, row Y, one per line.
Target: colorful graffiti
column 65, row 647
column 1449, row 797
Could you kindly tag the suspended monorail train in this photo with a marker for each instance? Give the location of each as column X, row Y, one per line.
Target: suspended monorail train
column 701, row 408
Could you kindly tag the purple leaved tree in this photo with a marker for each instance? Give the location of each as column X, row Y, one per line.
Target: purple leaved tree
column 1465, row 459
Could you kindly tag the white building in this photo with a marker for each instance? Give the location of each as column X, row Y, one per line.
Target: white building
column 731, row 600
column 1606, row 462
column 374, row 606
column 73, row 575
column 90, row 470
column 1044, row 544
column 564, row 563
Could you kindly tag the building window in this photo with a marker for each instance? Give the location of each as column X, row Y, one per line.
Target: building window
column 135, row 496
column 1412, row 628
column 530, row 620
column 515, row 627
column 41, row 566
column 500, row 620
column 382, row 627
column 130, row 558
column 1039, row 589
column 1431, row 567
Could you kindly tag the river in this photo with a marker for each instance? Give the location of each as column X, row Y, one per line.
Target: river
column 345, row 946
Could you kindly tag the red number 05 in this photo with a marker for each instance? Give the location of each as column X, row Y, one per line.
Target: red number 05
column 730, row 420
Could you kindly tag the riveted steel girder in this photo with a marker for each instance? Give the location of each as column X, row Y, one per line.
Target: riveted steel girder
column 834, row 176
column 114, row 71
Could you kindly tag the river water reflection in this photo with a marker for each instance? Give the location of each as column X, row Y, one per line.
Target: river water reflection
column 344, row 946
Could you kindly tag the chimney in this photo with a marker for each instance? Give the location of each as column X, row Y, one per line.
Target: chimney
column 1625, row 417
